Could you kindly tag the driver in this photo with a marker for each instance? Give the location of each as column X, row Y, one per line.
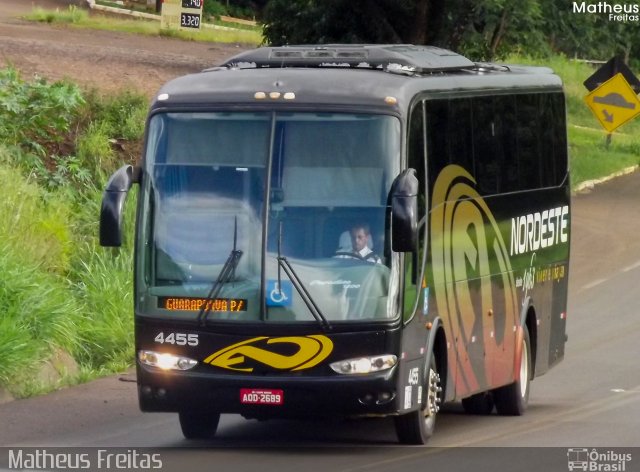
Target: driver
column 360, row 242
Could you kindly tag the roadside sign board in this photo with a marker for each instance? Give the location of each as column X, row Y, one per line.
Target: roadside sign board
column 613, row 103
column 181, row 14
column 613, row 66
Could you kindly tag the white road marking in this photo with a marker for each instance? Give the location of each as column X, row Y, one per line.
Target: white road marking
column 595, row 283
column 631, row 267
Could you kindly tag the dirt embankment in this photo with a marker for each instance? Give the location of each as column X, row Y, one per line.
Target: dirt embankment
column 103, row 60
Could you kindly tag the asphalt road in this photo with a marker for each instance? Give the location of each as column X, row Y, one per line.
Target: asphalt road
column 591, row 400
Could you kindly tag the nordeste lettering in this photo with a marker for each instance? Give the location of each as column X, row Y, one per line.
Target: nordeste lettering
column 539, row 230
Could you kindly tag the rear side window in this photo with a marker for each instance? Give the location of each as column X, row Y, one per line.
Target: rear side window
column 509, row 143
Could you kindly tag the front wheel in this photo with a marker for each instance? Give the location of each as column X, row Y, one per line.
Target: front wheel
column 512, row 399
column 417, row 427
column 198, row 425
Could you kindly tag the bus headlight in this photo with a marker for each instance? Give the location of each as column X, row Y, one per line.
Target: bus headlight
column 166, row 361
column 365, row 365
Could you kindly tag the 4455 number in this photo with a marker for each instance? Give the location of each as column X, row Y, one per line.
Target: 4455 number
column 179, row 339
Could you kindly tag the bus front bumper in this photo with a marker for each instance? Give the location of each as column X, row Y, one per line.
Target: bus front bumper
column 300, row 396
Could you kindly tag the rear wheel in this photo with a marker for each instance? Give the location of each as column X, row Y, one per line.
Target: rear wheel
column 198, row 425
column 512, row 399
column 417, row 427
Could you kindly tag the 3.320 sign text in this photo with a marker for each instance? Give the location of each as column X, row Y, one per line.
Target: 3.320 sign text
column 190, row 20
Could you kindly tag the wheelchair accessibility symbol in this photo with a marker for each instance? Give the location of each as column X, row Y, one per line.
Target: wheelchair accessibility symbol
column 279, row 294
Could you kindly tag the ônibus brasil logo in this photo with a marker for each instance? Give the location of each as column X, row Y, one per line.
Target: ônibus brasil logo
column 593, row 460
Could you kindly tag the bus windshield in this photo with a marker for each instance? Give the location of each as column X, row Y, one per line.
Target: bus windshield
column 230, row 198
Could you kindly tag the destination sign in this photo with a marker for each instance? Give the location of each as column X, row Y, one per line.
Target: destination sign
column 195, row 304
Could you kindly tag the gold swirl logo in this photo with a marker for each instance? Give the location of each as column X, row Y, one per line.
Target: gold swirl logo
column 473, row 280
column 305, row 352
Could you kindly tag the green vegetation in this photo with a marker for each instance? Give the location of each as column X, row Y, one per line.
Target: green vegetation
column 218, row 32
column 60, row 291
column 482, row 29
column 239, row 9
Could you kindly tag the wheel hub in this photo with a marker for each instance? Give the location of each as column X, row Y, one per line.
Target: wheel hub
column 434, row 391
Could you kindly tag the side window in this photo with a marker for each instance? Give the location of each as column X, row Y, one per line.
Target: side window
column 488, row 145
column 414, row 263
column 449, row 135
column 519, row 142
column 553, row 139
column 460, row 133
column 527, row 139
column 437, row 137
column 505, row 117
column 416, row 152
column 509, row 143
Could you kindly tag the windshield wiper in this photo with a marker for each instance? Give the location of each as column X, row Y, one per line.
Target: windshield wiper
column 227, row 273
column 299, row 286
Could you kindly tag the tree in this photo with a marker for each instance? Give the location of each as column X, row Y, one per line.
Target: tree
column 336, row 21
column 480, row 29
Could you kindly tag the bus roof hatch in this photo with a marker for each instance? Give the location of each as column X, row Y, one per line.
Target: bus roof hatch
column 405, row 58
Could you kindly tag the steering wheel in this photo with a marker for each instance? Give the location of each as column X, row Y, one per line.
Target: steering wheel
column 355, row 255
column 350, row 255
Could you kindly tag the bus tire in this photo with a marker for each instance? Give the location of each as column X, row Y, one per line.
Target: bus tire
column 478, row 404
column 417, row 427
column 512, row 399
column 198, row 425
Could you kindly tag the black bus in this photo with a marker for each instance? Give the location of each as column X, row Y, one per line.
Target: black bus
column 352, row 230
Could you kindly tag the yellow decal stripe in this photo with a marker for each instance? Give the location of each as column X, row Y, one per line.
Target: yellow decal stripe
column 465, row 235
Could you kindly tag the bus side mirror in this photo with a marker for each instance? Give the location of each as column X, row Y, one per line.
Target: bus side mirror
column 113, row 201
column 404, row 212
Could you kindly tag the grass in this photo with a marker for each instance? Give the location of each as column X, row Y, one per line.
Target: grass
column 34, row 226
column 79, row 18
column 85, row 311
column 102, row 281
column 590, row 157
column 60, row 292
column 38, row 315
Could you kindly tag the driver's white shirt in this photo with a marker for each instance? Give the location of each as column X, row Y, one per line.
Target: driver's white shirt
column 368, row 255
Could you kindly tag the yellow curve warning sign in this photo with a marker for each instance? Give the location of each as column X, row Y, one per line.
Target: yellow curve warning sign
column 613, row 103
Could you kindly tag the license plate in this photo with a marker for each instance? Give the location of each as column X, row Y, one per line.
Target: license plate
column 261, row 396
